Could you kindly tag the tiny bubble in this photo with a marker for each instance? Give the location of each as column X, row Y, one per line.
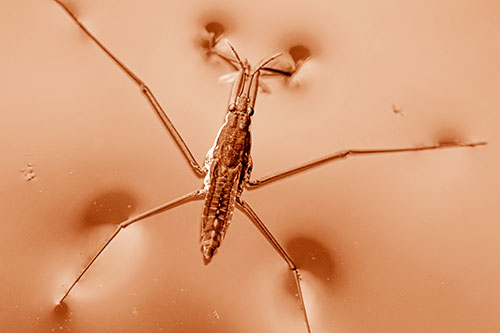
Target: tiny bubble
column 100, row 285
column 129, row 206
column 216, row 315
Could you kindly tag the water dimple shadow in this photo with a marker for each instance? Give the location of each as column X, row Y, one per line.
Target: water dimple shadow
column 447, row 135
column 310, row 256
column 58, row 319
column 109, row 207
column 299, row 54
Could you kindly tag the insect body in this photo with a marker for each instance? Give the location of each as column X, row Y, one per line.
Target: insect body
column 228, row 162
column 227, row 165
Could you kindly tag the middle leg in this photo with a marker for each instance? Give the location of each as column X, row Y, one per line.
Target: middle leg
column 345, row 154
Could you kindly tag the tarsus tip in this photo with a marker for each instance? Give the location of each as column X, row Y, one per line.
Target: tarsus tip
column 60, row 304
column 463, row 144
column 474, row 144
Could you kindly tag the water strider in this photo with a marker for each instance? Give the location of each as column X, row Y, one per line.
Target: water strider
column 228, row 165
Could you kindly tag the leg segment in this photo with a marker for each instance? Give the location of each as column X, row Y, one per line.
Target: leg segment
column 245, row 207
column 166, row 122
column 236, row 63
column 166, row 206
column 346, row 153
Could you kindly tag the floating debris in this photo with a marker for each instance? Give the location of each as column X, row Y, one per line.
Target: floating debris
column 216, row 314
column 28, row 172
column 396, row 110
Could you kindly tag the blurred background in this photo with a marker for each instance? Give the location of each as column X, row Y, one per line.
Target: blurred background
column 388, row 243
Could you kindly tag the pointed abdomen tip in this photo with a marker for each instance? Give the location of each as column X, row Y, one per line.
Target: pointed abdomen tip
column 208, row 253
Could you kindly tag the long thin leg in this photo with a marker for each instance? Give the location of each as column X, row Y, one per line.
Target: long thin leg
column 166, row 206
column 346, row 153
column 234, row 63
column 166, row 122
column 245, row 207
column 270, row 70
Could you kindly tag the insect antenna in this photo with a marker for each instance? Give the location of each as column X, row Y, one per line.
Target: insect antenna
column 253, row 86
column 266, row 61
column 235, row 53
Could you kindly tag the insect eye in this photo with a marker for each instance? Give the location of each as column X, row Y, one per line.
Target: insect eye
column 250, row 111
column 232, row 107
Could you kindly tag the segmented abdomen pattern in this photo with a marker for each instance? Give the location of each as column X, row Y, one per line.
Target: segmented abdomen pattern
column 219, row 207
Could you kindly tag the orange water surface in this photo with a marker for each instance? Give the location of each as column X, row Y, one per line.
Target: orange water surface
column 390, row 243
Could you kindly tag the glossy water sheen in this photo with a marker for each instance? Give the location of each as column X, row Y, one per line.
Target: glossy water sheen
column 404, row 243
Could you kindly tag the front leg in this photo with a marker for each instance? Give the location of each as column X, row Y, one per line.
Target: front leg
column 346, row 153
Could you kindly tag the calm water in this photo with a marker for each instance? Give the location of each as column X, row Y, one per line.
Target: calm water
column 387, row 243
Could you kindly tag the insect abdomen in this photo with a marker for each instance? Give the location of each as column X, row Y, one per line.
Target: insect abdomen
column 218, row 211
